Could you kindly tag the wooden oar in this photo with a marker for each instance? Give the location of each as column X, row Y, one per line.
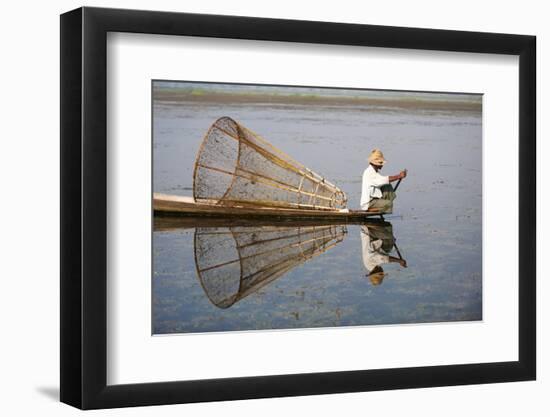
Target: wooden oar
column 397, row 250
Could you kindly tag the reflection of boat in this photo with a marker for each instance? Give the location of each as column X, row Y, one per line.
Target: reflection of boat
column 234, row 262
column 238, row 173
column 171, row 223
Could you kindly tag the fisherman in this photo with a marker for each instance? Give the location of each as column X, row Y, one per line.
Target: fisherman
column 377, row 192
column 376, row 243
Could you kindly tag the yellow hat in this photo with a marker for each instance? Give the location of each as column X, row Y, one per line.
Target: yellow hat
column 377, row 278
column 376, row 157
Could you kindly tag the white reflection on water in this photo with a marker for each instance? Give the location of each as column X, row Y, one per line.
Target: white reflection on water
column 274, row 277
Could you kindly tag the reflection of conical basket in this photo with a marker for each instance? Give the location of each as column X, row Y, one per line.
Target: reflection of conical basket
column 236, row 167
column 235, row 262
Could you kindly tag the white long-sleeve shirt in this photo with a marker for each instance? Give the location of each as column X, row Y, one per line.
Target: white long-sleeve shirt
column 372, row 181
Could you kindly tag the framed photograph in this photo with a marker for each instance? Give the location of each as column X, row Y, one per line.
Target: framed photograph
column 256, row 208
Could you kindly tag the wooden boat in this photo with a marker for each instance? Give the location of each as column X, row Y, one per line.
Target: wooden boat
column 173, row 205
column 169, row 223
column 239, row 174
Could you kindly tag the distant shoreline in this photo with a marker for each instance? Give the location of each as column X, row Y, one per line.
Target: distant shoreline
column 419, row 103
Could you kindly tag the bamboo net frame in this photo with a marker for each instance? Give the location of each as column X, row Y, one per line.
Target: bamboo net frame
column 234, row 262
column 237, row 167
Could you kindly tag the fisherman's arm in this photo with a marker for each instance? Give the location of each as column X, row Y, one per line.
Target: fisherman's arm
column 399, row 176
column 400, row 261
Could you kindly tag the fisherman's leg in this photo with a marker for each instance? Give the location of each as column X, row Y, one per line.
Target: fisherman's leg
column 383, row 232
column 382, row 205
column 387, row 192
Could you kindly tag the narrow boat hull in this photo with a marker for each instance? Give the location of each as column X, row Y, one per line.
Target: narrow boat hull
column 172, row 205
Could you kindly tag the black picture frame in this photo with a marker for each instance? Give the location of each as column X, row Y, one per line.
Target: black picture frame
column 84, row 207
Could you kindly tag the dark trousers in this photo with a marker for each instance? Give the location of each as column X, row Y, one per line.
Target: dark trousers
column 384, row 204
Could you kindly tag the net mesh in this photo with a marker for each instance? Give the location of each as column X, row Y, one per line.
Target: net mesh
column 234, row 262
column 236, row 167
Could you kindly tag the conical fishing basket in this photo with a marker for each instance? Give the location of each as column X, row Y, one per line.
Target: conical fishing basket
column 234, row 262
column 236, row 167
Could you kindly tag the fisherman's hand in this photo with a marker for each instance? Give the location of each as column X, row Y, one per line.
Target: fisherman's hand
column 403, row 174
column 403, row 263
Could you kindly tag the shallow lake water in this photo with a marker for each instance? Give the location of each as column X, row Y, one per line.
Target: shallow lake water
column 199, row 283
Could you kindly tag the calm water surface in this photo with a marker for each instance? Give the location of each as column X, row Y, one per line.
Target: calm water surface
column 436, row 224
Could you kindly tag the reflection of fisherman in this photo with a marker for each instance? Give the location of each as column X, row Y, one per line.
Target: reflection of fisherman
column 376, row 243
column 376, row 191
